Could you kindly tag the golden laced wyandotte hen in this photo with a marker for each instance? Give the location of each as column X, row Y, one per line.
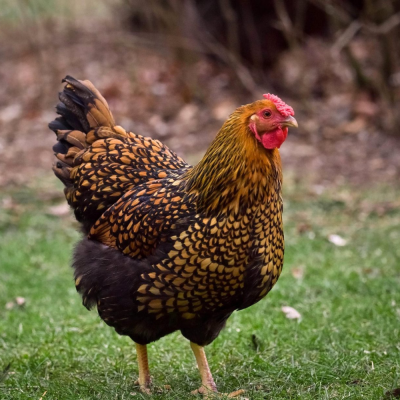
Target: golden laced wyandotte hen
column 168, row 246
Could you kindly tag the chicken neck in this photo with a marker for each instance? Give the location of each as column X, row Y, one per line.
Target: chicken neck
column 236, row 172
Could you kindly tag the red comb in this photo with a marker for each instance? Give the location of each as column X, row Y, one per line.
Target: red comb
column 281, row 106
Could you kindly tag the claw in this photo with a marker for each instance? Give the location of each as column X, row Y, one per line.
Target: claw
column 207, row 393
column 144, row 389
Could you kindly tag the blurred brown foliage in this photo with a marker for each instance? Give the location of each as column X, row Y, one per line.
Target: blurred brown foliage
column 252, row 37
column 174, row 70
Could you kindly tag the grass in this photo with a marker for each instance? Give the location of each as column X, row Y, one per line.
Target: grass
column 346, row 345
column 15, row 11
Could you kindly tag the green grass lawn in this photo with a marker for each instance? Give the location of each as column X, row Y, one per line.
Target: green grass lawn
column 346, row 345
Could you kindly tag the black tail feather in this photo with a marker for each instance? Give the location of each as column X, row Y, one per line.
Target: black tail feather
column 82, row 108
column 72, row 115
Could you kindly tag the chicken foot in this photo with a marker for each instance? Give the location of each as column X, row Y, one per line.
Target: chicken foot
column 208, row 385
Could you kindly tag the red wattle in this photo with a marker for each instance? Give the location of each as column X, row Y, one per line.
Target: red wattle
column 270, row 140
column 274, row 139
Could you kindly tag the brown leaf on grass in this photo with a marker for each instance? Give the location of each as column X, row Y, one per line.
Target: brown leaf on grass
column 355, row 382
column 236, row 393
column 291, row 313
column 20, row 301
column 371, row 272
column 297, row 272
column 303, row 227
column 393, row 393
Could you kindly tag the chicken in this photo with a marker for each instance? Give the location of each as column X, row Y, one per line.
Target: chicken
column 168, row 246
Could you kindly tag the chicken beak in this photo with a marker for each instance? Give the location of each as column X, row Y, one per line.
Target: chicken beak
column 290, row 121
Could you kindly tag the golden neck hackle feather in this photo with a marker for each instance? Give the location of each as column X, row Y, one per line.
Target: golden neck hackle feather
column 236, row 172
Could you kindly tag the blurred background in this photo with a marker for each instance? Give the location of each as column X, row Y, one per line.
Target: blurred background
column 176, row 69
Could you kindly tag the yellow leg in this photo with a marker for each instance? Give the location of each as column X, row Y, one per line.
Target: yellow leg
column 208, row 384
column 144, row 372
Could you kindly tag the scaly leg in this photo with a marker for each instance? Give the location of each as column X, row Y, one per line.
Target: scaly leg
column 144, row 372
column 208, row 384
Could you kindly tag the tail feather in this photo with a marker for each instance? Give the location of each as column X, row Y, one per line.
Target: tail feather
column 82, row 109
column 63, row 172
column 86, row 103
column 97, row 161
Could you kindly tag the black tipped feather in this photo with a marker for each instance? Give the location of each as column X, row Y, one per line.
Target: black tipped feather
column 81, row 108
column 61, row 147
column 73, row 116
column 62, row 170
column 59, row 124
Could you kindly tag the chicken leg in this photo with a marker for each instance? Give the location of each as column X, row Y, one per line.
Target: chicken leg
column 208, row 384
column 144, row 373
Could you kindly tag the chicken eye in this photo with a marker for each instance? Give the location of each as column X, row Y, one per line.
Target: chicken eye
column 267, row 113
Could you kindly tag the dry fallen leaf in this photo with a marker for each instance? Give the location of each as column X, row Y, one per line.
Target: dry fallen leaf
column 355, row 382
column 236, row 393
column 303, row 227
column 59, row 210
column 20, row 301
column 393, row 393
column 7, row 203
column 354, row 126
column 11, row 112
column 298, row 272
column 44, row 394
column 9, row 305
column 337, row 240
column 291, row 313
